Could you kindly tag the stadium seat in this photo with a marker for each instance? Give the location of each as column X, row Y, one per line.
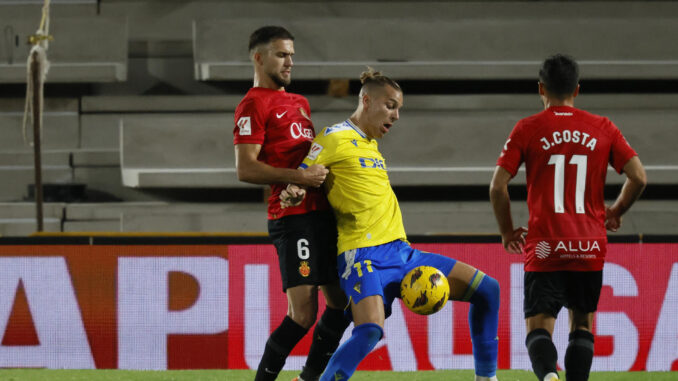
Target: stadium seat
column 420, row 218
column 492, row 47
column 165, row 217
column 18, row 218
column 440, row 140
column 85, row 49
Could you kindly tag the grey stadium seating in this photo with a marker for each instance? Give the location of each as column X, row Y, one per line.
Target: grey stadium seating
column 440, row 140
column 487, row 48
column 420, row 218
column 90, row 48
column 125, row 137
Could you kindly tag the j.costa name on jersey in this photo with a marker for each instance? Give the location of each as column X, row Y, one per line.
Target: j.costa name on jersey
column 567, row 136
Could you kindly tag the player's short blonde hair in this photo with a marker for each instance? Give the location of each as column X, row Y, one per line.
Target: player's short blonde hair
column 371, row 78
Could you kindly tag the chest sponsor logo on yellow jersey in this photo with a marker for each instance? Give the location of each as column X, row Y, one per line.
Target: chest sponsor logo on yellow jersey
column 366, row 162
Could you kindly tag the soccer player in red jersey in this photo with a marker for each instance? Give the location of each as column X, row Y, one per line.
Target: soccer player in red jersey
column 566, row 152
column 273, row 133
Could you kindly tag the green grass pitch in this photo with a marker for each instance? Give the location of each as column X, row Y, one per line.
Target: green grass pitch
column 248, row 375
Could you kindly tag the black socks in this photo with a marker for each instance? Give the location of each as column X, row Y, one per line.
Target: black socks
column 326, row 336
column 542, row 352
column 579, row 355
column 278, row 347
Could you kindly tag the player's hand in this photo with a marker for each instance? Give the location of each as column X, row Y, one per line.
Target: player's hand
column 291, row 196
column 612, row 219
column 514, row 241
column 313, row 176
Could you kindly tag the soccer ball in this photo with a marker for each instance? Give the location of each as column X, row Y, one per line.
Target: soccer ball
column 424, row 290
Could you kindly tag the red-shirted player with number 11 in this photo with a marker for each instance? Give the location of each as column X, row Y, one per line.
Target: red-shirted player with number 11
column 566, row 153
column 273, row 134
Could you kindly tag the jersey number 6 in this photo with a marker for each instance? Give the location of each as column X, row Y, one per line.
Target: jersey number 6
column 302, row 249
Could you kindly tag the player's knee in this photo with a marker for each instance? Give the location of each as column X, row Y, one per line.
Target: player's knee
column 304, row 315
column 489, row 291
column 370, row 331
column 334, row 296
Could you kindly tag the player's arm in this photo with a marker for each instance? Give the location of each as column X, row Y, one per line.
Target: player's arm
column 511, row 238
column 322, row 152
column 635, row 183
column 251, row 170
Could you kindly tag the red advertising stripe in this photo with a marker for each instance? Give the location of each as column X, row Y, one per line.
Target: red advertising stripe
column 214, row 306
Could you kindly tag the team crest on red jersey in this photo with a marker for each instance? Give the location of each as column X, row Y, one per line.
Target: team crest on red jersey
column 303, row 113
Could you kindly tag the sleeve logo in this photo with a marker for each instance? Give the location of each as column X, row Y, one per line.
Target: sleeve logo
column 315, row 150
column 245, row 125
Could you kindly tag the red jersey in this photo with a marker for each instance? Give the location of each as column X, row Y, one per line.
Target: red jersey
column 280, row 122
column 566, row 153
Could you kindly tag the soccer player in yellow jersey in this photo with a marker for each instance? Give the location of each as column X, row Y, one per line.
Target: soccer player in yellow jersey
column 373, row 254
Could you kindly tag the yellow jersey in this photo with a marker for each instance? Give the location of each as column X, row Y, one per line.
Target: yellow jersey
column 357, row 187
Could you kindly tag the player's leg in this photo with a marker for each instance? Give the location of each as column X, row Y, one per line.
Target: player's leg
column 471, row 285
column 543, row 299
column 583, row 293
column 363, row 275
column 540, row 347
column 331, row 325
column 327, row 333
column 289, row 234
column 302, row 307
column 579, row 353
column 368, row 320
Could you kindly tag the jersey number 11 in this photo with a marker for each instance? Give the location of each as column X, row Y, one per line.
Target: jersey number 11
column 559, row 182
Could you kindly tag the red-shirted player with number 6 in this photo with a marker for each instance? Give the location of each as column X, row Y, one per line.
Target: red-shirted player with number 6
column 273, row 134
column 566, row 153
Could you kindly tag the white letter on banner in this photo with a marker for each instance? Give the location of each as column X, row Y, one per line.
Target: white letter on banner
column 397, row 340
column 520, row 359
column 617, row 324
column 257, row 315
column 144, row 318
column 441, row 341
column 55, row 313
column 664, row 348
column 519, row 356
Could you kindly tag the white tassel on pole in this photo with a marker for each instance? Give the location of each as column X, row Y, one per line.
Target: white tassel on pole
column 37, row 67
column 38, row 53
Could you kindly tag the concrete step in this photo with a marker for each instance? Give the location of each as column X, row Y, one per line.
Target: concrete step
column 493, row 47
column 420, row 218
column 97, row 55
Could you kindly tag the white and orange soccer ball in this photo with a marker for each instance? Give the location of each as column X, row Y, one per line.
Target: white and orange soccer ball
column 424, row 290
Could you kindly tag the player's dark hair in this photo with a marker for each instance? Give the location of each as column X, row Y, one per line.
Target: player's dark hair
column 371, row 78
column 269, row 33
column 560, row 75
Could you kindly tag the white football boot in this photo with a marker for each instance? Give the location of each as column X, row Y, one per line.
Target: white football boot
column 482, row 378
